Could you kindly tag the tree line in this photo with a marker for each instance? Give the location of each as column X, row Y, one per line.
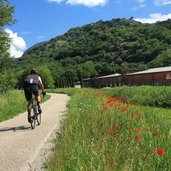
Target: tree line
column 100, row 48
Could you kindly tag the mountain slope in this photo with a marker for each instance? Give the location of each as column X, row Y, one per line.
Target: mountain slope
column 109, row 47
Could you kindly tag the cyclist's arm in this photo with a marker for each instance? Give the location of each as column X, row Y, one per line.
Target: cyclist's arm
column 41, row 84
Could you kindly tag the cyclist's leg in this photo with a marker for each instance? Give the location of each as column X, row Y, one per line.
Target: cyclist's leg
column 36, row 93
column 28, row 95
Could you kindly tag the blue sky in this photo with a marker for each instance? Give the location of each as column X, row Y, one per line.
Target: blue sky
column 41, row 20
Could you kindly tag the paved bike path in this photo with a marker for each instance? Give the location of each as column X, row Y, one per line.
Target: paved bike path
column 19, row 144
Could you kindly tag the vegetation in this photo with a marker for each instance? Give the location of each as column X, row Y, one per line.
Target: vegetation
column 109, row 133
column 6, row 11
column 158, row 96
column 101, row 48
column 12, row 103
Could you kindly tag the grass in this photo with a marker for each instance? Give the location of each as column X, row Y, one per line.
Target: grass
column 105, row 133
column 12, row 103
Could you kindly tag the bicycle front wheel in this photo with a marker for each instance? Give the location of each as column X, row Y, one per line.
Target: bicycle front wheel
column 38, row 118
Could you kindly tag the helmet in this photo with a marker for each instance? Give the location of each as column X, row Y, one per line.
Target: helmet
column 33, row 71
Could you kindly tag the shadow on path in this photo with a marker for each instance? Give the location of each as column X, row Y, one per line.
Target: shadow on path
column 14, row 129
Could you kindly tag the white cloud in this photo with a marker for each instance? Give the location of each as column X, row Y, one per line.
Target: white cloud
column 17, row 45
column 88, row 3
column 162, row 2
column 153, row 18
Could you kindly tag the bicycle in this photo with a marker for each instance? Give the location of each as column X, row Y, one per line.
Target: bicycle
column 34, row 114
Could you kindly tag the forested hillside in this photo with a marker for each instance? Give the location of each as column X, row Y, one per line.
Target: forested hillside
column 101, row 48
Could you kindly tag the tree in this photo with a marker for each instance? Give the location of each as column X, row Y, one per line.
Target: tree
column 87, row 69
column 6, row 11
column 46, row 76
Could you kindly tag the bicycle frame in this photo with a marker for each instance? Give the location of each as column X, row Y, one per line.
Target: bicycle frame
column 35, row 116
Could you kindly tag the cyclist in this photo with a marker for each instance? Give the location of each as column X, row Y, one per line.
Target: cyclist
column 32, row 83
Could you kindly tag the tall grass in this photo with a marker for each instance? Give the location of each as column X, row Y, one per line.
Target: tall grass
column 104, row 133
column 159, row 96
column 12, row 103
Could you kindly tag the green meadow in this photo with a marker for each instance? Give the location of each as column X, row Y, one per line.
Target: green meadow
column 117, row 129
column 104, row 132
column 13, row 103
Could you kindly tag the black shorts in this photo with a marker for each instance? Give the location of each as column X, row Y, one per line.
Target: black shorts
column 32, row 89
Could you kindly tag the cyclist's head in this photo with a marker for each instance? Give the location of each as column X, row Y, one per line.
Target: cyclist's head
column 33, row 71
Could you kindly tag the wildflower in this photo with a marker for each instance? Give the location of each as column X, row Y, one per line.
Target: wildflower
column 139, row 117
column 129, row 102
column 118, row 104
column 129, row 139
column 129, row 121
column 111, row 129
column 110, row 104
column 140, row 129
column 146, row 129
column 160, row 151
column 136, row 112
column 104, row 106
column 125, row 108
column 156, row 133
column 111, row 100
column 122, row 98
column 117, row 136
column 137, row 137
column 119, row 126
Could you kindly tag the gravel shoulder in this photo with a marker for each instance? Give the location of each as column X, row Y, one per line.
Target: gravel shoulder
column 24, row 149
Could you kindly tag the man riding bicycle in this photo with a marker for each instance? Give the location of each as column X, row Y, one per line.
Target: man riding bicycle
column 32, row 83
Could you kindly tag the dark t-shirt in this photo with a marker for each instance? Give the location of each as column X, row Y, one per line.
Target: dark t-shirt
column 32, row 79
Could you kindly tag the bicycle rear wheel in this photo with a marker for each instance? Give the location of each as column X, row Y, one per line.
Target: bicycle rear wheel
column 33, row 121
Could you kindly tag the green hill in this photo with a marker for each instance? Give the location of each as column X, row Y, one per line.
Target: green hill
column 103, row 47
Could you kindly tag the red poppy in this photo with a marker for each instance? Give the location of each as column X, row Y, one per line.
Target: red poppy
column 129, row 121
column 104, row 106
column 119, row 126
column 137, row 137
column 117, row 136
column 125, row 108
column 118, row 104
column 110, row 104
column 111, row 129
column 160, row 151
column 156, row 133
column 129, row 102
column 140, row 129
column 136, row 112
column 139, row 117
column 122, row 98
column 146, row 129
column 111, row 100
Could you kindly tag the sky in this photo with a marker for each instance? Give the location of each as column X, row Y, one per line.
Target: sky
column 41, row 20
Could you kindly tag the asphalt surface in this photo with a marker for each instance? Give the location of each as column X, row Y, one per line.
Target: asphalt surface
column 20, row 146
